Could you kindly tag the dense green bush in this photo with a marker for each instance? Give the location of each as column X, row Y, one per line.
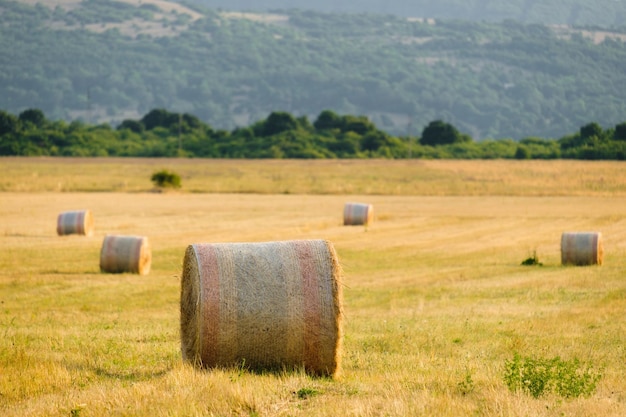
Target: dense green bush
column 166, row 179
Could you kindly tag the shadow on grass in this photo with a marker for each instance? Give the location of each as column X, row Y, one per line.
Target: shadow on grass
column 130, row 375
column 241, row 369
column 68, row 272
column 17, row 234
column 122, row 375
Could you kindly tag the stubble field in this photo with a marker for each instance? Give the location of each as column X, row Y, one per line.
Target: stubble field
column 436, row 301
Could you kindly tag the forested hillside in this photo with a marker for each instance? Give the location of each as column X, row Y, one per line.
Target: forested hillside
column 572, row 12
column 102, row 61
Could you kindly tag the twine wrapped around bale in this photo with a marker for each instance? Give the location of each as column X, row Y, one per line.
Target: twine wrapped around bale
column 272, row 305
column 75, row 222
column 581, row 248
column 357, row 214
column 125, row 254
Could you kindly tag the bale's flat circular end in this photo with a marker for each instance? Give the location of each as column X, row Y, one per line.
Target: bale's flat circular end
column 272, row 305
column 582, row 248
column 189, row 308
column 337, row 291
column 88, row 226
column 144, row 262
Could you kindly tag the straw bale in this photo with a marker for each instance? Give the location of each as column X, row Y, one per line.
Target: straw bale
column 125, row 254
column 582, row 248
column 357, row 214
column 269, row 306
column 75, row 222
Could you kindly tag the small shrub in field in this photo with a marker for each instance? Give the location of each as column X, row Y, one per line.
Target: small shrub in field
column 466, row 386
column 569, row 379
column 532, row 260
column 304, row 393
column 165, row 178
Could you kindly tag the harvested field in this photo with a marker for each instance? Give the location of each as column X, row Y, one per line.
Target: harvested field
column 336, row 177
column 435, row 298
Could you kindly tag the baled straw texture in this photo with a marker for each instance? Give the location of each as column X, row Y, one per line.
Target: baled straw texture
column 581, row 248
column 272, row 305
column 125, row 254
column 357, row 214
column 75, row 222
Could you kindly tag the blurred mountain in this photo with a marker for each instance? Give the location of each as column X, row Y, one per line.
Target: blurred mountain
column 106, row 61
column 605, row 13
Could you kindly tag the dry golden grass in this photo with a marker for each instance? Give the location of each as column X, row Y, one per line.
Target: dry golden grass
column 434, row 291
column 384, row 177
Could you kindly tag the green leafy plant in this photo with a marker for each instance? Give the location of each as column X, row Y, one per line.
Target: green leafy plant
column 304, row 393
column 538, row 376
column 532, row 260
column 466, row 386
column 166, row 179
column 240, row 369
column 77, row 410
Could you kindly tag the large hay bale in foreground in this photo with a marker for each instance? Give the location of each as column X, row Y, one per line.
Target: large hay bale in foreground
column 357, row 214
column 125, row 254
column 78, row 222
column 581, row 248
column 272, row 306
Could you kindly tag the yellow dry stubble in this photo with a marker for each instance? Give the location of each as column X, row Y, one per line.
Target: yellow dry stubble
column 435, row 298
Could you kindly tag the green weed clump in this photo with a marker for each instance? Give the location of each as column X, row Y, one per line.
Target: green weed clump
column 569, row 379
column 304, row 393
column 532, row 260
column 466, row 386
column 166, row 179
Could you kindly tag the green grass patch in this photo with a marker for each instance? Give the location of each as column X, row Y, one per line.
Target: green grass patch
column 539, row 376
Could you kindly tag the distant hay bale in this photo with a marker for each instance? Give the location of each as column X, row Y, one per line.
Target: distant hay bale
column 78, row 222
column 125, row 254
column 581, row 248
column 272, row 305
column 357, row 214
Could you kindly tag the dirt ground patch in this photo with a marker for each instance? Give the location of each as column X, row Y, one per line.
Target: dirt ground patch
column 160, row 26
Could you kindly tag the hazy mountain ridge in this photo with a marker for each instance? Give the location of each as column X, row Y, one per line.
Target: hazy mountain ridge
column 106, row 61
column 605, row 13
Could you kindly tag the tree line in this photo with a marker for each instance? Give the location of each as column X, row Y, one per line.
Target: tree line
column 161, row 133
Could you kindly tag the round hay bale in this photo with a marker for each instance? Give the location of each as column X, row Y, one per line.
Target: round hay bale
column 581, row 248
column 357, row 214
column 125, row 254
column 272, row 305
column 75, row 222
